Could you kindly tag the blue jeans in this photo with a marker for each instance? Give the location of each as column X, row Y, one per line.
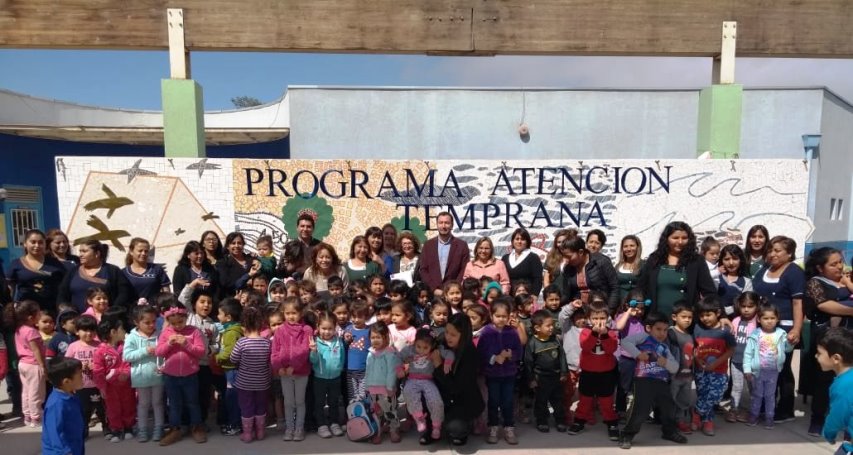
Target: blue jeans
column 501, row 391
column 232, row 403
column 182, row 392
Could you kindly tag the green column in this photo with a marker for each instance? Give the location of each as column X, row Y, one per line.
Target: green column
column 720, row 108
column 183, row 118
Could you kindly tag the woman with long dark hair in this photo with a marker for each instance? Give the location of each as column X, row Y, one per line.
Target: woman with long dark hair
column 587, row 272
column 193, row 265
column 675, row 270
column 234, row 267
column 459, row 390
column 212, row 247
column 826, row 288
column 756, row 248
column 36, row 275
column 782, row 283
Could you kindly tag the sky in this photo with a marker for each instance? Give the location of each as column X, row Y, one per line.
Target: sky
column 131, row 79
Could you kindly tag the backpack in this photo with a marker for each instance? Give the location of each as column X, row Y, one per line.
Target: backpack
column 361, row 424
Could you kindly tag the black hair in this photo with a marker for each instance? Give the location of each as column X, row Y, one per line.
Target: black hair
column 165, row 300
column 658, row 257
column 398, row 287
column 768, row 307
column 106, row 327
column 551, row 289
column 382, row 304
column 231, row 307
column 838, row 341
column 524, row 235
column 252, row 319
column 143, row 310
column 229, row 239
column 521, row 283
column 471, row 284
column 576, row 244
column 374, row 231
column 747, row 245
column 708, row 243
column 708, row 304
column 425, row 334
column 291, row 253
column 64, row 316
column 818, row 258
column 504, row 302
column 120, row 314
column 681, row 305
column 327, row 316
column 521, row 300
column 217, row 251
column 481, row 311
column 382, row 329
column 94, row 291
column 255, row 298
column 655, row 317
column 598, row 233
column 335, row 281
column 539, row 317
column 87, row 323
column 462, row 323
column 61, row 368
column 319, row 306
column 634, row 294
column 417, row 288
column 359, row 307
column 597, row 306
column 407, row 307
column 202, row 292
column 749, row 297
column 190, row 247
column 735, row 251
column 336, row 302
column 380, row 277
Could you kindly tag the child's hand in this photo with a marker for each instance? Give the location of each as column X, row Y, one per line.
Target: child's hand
column 513, row 320
column 401, row 373
column 643, row 357
column 347, row 337
column 180, row 340
column 577, row 303
column 748, row 377
column 661, row 360
column 499, row 359
column 435, row 356
column 633, row 312
column 288, row 371
column 150, row 350
column 447, row 368
column 564, row 378
column 533, row 384
column 199, row 282
column 282, row 372
column 312, row 345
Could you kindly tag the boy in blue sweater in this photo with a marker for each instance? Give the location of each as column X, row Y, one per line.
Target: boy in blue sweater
column 63, row 418
column 835, row 352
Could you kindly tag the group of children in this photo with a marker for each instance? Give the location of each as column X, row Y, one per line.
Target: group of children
column 303, row 356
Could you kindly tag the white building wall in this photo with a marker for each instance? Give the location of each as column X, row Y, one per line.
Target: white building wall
column 835, row 171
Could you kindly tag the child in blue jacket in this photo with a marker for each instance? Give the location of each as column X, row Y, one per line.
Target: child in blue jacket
column 835, row 352
column 763, row 359
column 63, row 429
column 328, row 355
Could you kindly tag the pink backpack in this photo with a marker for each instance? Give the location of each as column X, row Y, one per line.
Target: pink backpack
column 361, row 424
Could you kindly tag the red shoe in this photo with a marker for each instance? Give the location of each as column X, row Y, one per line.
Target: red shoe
column 377, row 439
column 696, row 424
column 708, row 428
column 684, row 428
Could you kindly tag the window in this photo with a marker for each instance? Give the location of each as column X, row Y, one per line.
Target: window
column 832, row 209
column 22, row 221
column 836, row 208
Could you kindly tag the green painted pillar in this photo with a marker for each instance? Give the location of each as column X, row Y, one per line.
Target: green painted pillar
column 183, row 118
column 720, row 108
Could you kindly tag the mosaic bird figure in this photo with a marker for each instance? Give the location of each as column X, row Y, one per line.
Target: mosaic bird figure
column 104, row 233
column 110, row 203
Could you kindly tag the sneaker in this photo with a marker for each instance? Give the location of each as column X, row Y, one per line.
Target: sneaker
column 288, row 435
column 228, row 430
column 395, row 436
column 128, row 435
column 174, row 435
column 684, row 428
column 157, row 435
column 35, row 423
column 815, row 429
column 625, row 442
column 613, row 432
column 731, row 416
column 420, row 424
column 576, row 428
column 753, row 421
column 561, row 428
column 26, row 421
column 783, row 418
column 377, row 438
column 324, row 432
column 677, row 438
column 115, row 438
column 199, row 436
column 696, row 422
column 107, row 435
column 336, row 430
column 769, row 425
column 509, row 436
column 142, row 436
column 299, row 435
column 543, row 428
column 708, row 428
column 492, row 438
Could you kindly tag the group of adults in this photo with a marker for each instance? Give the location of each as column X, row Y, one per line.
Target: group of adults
column 48, row 273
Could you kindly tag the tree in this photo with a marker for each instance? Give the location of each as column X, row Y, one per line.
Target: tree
column 245, row 101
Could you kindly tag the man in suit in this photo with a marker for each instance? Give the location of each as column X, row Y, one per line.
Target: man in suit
column 305, row 230
column 443, row 258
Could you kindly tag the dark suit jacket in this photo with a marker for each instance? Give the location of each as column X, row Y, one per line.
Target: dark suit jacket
column 699, row 282
column 430, row 268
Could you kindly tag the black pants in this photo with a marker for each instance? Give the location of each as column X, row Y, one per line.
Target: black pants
column 650, row 393
column 91, row 401
column 326, row 391
column 549, row 389
column 785, row 388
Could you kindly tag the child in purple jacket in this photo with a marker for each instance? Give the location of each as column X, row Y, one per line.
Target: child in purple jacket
column 500, row 353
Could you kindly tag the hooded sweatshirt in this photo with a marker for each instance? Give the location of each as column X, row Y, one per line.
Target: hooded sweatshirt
column 328, row 360
column 231, row 333
column 290, row 348
column 492, row 342
column 381, row 374
column 144, row 371
column 181, row 360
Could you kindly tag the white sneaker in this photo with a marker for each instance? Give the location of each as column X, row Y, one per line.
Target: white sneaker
column 288, row 435
column 336, row 429
column 324, row 432
column 492, row 438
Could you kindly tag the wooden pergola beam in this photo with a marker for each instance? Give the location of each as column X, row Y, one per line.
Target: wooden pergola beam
column 781, row 28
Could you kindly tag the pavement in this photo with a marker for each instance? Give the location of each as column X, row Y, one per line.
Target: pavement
column 731, row 439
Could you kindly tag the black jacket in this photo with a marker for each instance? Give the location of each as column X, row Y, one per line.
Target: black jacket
column 183, row 276
column 459, row 389
column 230, row 271
column 118, row 288
column 698, row 283
column 600, row 276
column 545, row 358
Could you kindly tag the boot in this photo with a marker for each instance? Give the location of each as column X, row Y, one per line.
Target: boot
column 248, row 423
column 260, row 427
column 174, row 435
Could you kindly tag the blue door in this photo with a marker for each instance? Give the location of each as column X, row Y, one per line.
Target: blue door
column 23, row 211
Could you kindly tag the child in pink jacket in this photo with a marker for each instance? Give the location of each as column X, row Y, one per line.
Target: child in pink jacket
column 112, row 377
column 290, row 360
column 182, row 346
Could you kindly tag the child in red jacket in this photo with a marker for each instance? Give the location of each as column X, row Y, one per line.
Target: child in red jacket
column 112, row 377
column 598, row 370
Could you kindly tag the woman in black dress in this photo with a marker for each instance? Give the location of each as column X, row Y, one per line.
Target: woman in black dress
column 522, row 263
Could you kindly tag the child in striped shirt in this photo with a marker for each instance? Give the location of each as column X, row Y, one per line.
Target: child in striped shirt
column 251, row 355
